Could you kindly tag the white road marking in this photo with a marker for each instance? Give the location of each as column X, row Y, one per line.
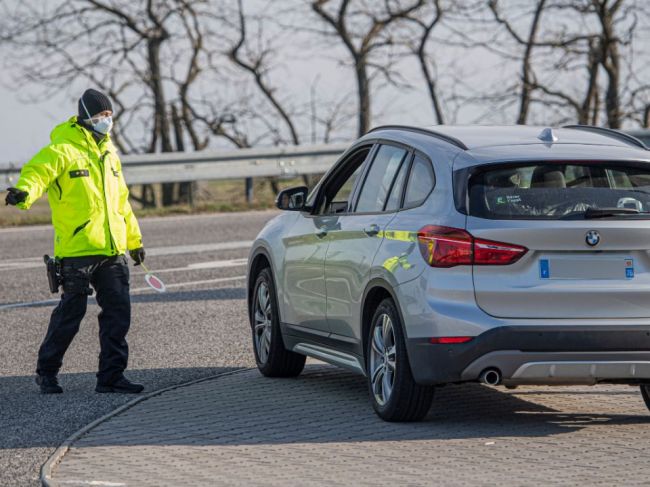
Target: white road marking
column 192, row 283
column 133, row 290
column 100, row 483
column 151, row 219
column 30, row 263
column 214, row 216
column 36, row 262
column 27, row 228
column 199, row 266
column 196, row 248
column 28, row 304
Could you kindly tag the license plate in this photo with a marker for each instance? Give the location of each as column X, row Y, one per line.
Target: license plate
column 586, row 268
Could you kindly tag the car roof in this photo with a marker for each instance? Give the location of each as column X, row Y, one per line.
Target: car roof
column 468, row 137
column 477, row 136
column 483, row 143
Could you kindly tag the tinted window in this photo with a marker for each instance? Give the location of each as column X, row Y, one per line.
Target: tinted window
column 421, row 181
column 554, row 191
column 379, row 179
column 395, row 197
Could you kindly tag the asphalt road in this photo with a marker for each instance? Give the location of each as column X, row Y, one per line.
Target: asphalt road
column 194, row 330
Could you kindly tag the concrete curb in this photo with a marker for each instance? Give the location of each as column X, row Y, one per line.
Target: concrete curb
column 59, row 453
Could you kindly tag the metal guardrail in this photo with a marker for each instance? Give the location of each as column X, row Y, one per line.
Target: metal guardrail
column 288, row 161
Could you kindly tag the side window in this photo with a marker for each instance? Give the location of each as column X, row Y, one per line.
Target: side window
column 395, row 197
column 343, row 194
column 420, row 183
column 338, row 190
column 379, row 179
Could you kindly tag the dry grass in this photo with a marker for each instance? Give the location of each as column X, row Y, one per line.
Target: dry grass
column 212, row 196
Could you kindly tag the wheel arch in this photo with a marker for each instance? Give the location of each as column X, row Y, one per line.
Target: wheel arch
column 260, row 258
column 376, row 291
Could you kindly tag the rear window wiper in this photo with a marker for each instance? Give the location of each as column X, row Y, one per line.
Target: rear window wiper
column 593, row 213
column 606, row 212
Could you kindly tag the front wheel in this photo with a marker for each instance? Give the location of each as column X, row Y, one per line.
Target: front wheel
column 273, row 360
column 645, row 393
column 394, row 393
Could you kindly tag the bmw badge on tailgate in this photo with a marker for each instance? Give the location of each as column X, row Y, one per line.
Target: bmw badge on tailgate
column 592, row 238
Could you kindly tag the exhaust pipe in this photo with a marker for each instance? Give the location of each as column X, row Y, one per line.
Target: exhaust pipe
column 491, row 377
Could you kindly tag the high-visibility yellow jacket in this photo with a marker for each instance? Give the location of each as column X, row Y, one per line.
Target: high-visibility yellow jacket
column 88, row 197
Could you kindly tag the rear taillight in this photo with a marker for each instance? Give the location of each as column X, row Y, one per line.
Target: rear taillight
column 445, row 246
column 487, row 252
column 449, row 247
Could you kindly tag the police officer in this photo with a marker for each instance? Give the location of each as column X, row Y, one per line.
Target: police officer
column 94, row 226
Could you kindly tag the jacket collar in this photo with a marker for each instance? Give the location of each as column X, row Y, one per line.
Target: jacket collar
column 101, row 145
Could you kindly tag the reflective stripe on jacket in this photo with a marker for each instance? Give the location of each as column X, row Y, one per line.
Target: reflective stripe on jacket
column 88, row 197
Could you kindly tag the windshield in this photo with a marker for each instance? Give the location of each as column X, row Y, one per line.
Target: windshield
column 552, row 190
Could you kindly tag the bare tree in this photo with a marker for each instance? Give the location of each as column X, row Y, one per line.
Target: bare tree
column 364, row 28
column 528, row 43
column 257, row 65
column 124, row 49
column 610, row 58
column 591, row 46
column 419, row 48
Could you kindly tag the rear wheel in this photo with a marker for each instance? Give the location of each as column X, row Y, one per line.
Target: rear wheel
column 645, row 393
column 273, row 360
column 395, row 395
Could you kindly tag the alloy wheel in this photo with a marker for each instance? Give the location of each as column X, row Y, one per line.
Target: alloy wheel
column 382, row 359
column 263, row 322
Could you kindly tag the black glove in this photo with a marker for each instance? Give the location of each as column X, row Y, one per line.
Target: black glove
column 137, row 255
column 15, row 196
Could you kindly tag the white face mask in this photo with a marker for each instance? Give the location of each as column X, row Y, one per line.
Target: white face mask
column 103, row 125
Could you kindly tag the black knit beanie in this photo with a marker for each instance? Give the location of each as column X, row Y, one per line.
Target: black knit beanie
column 95, row 101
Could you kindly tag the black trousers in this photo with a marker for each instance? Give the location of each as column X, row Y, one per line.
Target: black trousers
column 109, row 276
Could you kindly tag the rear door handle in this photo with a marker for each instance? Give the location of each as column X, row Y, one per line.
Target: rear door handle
column 372, row 230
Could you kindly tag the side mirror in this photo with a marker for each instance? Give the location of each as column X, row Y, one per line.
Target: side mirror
column 292, row 199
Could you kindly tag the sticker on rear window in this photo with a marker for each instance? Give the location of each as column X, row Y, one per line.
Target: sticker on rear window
column 508, row 199
column 544, row 269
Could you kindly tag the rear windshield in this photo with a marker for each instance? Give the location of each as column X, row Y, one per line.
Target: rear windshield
column 560, row 191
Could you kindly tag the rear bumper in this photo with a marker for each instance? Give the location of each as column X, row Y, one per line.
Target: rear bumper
column 539, row 355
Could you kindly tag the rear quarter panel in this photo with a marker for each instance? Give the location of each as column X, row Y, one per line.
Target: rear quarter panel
column 419, row 288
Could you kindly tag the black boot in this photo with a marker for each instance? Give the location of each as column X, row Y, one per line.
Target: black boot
column 122, row 385
column 49, row 385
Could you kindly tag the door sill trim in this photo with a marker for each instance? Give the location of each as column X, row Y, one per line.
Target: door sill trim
column 333, row 357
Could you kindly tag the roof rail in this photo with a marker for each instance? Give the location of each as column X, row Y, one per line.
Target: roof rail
column 447, row 138
column 614, row 134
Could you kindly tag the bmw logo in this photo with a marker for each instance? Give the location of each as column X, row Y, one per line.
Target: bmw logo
column 592, row 238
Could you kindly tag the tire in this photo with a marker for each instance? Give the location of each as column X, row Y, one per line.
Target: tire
column 645, row 393
column 404, row 400
column 273, row 360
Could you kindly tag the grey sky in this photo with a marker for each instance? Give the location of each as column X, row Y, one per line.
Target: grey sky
column 25, row 127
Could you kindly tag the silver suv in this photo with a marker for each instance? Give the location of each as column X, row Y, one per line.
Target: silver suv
column 505, row 255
